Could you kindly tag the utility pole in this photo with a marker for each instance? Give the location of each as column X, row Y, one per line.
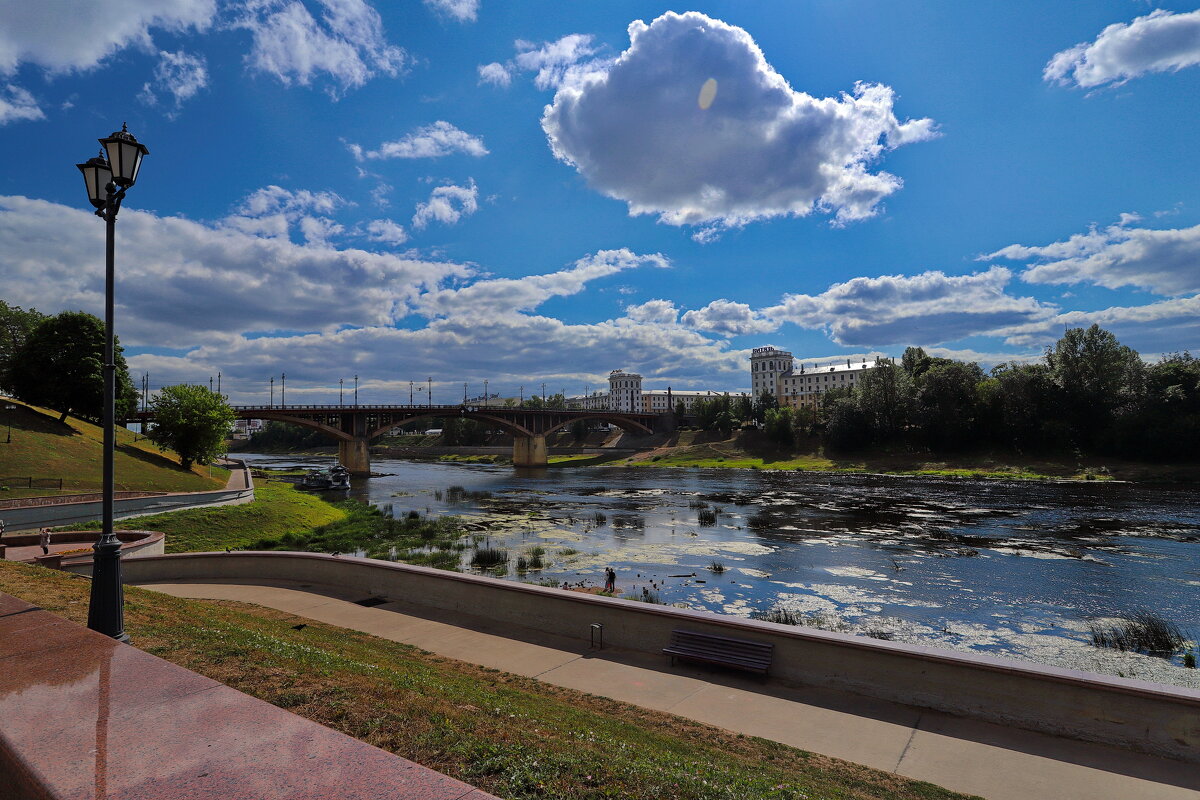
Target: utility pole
column 485, row 394
column 410, row 392
column 522, row 395
column 272, row 392
column 210, row 382
column 356, row 391
column 543, row 394
column 341, row 387
column 429, row 380
column 219, row 382
column 464, row 393
column 283, row 390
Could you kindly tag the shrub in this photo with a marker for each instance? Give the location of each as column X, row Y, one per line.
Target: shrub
column 488, row 557
column 1139, row 632
column 716, row 567
column 706, row 517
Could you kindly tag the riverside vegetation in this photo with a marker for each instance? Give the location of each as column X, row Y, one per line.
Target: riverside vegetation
column 511, row 736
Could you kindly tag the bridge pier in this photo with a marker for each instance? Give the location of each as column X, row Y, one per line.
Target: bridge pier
column 529, row 451
column 355, row 455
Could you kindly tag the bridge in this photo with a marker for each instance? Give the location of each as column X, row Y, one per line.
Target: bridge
column 354, row 426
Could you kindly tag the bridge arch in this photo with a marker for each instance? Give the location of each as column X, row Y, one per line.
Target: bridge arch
column 625, row 424
column 304, row 422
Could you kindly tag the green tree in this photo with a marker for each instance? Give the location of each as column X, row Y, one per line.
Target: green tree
column 948, row 404
column 16, row 324
column 59, row 366
column 743, row 409
column 1026, row 406
column 886, row 398
column 765, row 401
column 1097, row 375
column 191, row 420
column 780, row 426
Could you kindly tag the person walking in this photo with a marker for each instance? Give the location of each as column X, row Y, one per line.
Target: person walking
column 44, row 541
column 610, row 579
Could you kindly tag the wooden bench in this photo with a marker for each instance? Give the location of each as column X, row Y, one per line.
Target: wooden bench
column 713, row 649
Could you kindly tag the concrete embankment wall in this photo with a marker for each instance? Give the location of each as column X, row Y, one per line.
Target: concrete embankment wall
column 1148, row 717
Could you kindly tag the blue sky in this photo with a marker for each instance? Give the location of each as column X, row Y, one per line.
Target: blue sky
column 541, row 191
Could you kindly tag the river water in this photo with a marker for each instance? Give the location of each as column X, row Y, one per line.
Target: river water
column 1016, row 569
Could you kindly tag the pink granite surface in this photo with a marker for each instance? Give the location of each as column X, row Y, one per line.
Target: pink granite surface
column 83, row 716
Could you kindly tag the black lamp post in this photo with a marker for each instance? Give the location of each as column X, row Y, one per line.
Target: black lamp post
column 107, row 180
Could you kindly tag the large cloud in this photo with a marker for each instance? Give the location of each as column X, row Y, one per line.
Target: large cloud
column 346, row 44
column 181, row 282
column 1166, row 262
column 63, row 36
column 929, row 308
column 1167, row 325
column 510, row 295
column 691, row 123
column 729, row 319
column 1159, row 42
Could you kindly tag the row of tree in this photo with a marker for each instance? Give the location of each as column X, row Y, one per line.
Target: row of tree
column 1088, row 393
column 57, row 362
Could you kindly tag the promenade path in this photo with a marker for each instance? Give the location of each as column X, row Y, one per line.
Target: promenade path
column 56, row 515
column 992, row 761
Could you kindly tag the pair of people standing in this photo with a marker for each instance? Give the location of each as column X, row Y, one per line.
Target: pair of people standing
column 610, row 579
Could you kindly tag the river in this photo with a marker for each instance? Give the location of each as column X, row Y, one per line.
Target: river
column 1017, row 569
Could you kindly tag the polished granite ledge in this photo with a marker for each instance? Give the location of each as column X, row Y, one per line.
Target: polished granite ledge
column 84, row 717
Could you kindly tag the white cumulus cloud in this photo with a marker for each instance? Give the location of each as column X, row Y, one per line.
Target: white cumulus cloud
column 1165, row 261
column 181, row 282
column 63, row 36
column 691, row 123
column 386, row 231
column 510, row 295
column 495, row 73
column 460, row 10
column 928, row 308
column 346, row 44
column 653, row 312
column 1159, row 42
column 728, row 319
column 429, row 141
column 18, row 105
column 447, row 205
column 181, row 74
column 555, row 61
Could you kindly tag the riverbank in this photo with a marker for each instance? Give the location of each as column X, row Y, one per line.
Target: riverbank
column 509, row 735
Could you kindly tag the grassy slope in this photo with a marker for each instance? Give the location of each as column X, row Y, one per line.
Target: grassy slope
column 509, row 735
column 43, row 447
column 278, row 508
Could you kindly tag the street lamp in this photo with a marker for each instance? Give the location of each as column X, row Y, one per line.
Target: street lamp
column 107, row 180
column 9, row 408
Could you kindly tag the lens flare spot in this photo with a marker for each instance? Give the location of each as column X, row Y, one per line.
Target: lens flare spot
column 708, row 93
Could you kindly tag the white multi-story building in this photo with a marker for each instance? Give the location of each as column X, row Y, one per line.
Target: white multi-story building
column 625, row 393
column 774, row 371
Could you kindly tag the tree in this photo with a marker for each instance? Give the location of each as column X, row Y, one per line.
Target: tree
column 948, row 400
column 59, row 366
column 743, row 409
column 765, row 402
column 780, row 426
column 1097, row 375
column 16, row 324
column 885, row 397
column 191, row 420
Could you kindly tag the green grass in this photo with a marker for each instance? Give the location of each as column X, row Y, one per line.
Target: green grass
column 278, row 509
column 362, row 527
column 43, row 447
column 508, row 735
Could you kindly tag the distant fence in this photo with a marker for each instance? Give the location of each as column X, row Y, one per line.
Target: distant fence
column 32, row 483
column 63, row 499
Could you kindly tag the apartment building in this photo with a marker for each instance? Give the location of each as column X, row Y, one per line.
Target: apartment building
column 802, row 385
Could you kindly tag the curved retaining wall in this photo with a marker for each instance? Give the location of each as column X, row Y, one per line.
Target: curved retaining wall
column 1152, row 718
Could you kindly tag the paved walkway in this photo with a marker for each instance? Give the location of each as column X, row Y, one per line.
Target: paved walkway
column 992, row 761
